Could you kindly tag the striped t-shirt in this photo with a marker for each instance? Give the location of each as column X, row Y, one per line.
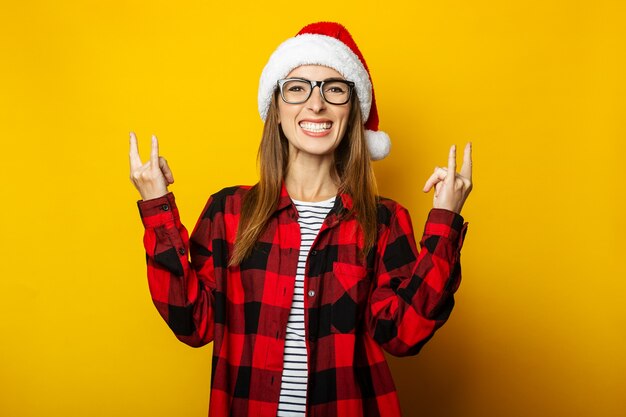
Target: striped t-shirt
column 294, row 380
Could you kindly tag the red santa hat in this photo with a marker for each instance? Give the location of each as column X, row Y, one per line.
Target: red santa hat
column 328, row 44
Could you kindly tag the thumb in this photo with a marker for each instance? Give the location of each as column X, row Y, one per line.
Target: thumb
column 165, row 169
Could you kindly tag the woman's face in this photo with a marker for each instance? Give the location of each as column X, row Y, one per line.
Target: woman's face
column 314, row 127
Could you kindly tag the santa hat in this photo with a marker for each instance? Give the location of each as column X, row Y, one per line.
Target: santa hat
column 328, row 44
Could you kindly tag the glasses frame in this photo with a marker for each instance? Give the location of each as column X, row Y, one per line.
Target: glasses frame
column 281, row 83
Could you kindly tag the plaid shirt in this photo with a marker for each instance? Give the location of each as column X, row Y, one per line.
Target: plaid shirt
column 354, row 307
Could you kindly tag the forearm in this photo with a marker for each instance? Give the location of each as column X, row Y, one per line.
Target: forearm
column 413, row 292
column 182, row 293
column 439, row 262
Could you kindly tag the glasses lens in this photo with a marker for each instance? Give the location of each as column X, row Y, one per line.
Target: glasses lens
column 336, row 92
column 295, row 91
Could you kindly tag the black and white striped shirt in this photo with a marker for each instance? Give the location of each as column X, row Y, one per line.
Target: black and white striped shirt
column 293, row 387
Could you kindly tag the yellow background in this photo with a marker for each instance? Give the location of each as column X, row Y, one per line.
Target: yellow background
column 538, row 86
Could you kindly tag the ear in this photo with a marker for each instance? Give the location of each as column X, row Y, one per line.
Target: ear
column 277, row 106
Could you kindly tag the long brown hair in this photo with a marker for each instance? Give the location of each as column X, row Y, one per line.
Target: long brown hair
column 352, row 162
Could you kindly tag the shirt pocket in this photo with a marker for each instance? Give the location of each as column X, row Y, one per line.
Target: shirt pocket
column 350, row 294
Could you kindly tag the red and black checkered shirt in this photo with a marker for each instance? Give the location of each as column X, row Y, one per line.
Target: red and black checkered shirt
column 395, row 299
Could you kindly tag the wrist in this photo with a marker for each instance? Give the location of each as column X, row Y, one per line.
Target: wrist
column 145, row 196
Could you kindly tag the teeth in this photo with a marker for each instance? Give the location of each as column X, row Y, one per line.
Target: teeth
column 315, row 127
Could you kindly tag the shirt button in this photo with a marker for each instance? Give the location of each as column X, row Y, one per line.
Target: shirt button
column 313, row 252
column 311, row 293
column 165, row 207
column 181, row 251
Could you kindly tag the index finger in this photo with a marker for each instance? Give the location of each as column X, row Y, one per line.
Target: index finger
column 154, row 153
column 451, row 164
column 466, row 168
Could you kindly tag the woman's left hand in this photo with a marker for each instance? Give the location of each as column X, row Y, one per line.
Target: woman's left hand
column 451, row 191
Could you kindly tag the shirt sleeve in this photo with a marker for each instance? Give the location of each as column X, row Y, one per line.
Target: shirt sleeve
column 413, row 293
column 182, row 290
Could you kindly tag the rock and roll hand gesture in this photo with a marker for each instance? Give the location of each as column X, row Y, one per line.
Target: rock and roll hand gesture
column 152, row 178
column 451, row 191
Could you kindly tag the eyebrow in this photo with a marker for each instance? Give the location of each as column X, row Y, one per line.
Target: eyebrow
column 325, row 79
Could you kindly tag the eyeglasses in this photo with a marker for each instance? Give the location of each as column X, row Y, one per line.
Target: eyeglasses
column 298, row 90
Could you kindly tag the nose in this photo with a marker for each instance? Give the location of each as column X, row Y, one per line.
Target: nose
column 315, row 101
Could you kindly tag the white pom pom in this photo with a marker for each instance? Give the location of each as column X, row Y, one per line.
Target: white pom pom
column 378, row 144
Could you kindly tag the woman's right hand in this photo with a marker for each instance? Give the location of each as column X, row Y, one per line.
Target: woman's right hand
column 152, row 178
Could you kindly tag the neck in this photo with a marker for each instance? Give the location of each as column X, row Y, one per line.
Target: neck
column 311, row 179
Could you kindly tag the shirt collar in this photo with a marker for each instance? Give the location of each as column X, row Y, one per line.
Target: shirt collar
column 344, row 202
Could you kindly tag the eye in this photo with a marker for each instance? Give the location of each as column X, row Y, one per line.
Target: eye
column 296, row 87
column 335, row 88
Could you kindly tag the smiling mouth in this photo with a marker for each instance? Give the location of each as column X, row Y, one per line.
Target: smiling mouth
column 316, row 127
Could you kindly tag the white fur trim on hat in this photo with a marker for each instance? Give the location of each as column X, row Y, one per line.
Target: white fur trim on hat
column 314, row 49
column 378, row 143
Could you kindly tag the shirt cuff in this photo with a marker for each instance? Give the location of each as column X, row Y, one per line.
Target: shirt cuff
column 158, row 211
column 446, row 223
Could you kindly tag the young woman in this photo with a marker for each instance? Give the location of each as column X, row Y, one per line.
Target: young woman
column 302, row 280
